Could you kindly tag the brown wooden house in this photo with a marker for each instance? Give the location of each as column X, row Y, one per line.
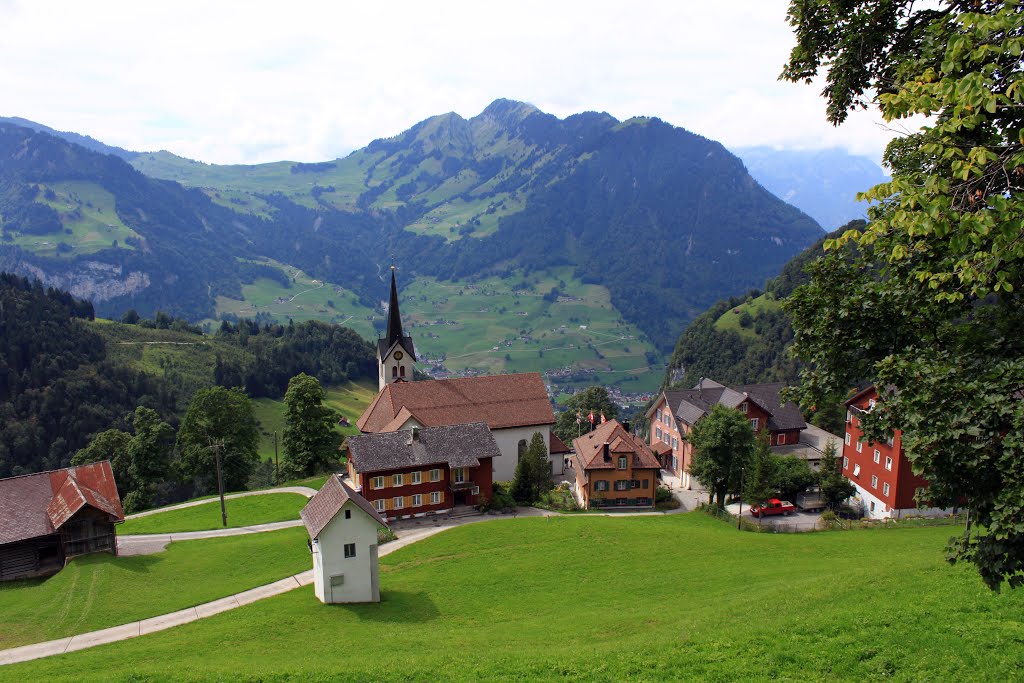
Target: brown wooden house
column 50, row 517
column 614, row 468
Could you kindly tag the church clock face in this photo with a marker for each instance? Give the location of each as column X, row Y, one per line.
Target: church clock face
column 399, row 355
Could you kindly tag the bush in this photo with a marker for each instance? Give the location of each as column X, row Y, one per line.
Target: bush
column 385, row 535
column 662, row 495
column 501, row 500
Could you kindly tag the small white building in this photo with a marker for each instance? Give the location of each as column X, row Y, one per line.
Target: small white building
column 342, row 528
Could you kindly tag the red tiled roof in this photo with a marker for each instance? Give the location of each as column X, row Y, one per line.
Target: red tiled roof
column 662, row 448
column 328, row 501
column 38, row 504
column 499, row 400
column 590, row 448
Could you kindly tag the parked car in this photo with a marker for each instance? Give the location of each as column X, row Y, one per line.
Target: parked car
column 810, row 501
column 773, row 506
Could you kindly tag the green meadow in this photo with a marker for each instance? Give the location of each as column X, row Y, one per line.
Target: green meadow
column 246, row 511
column 676, row 597
column 99, row 591
column 730, row 320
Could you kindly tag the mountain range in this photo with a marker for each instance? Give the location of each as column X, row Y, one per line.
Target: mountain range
column 665, row 220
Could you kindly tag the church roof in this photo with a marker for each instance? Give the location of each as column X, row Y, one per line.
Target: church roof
column 395, row 335
column 501, row 401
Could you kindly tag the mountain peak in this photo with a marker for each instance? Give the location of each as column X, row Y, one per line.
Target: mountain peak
column 508, row 112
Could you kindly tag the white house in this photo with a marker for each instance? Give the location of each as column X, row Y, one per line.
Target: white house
column 342, row 528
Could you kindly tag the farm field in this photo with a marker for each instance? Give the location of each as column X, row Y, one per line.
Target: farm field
column 98, row 591
column 582, row 598
column 247, row 511
column 349, row 400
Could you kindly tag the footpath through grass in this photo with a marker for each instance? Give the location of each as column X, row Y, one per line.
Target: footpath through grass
column 679, row 597
column 98, row 591
column 247, row 511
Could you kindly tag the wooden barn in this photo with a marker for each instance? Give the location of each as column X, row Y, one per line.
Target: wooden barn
column 50, row 517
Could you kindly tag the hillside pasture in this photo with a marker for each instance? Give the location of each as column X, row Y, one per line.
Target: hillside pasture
column 245, row 511
column 731, row 319
column 679, row 597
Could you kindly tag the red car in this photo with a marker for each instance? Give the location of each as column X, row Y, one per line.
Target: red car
column 773, row 506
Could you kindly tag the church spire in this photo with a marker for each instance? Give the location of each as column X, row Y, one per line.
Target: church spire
column 394, row 317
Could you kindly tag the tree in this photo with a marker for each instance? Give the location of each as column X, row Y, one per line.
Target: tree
column 759, row 479
column 310, row 440
column 111, row 445
column 222, row 419
column 926, row 301
column 540, row 467
column 594, row 399
column 791, row 475
column 722, row 444
column 835, row 487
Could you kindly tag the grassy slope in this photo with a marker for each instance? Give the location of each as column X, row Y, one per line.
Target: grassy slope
column 272, row 507
column 99, row 591
column 731, row 319
column 682, row 597
column 348, row 400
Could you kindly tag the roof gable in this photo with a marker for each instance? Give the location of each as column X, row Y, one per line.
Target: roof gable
column 328, row 502
column 461, row 445
column 590, row 448
column 502, row 401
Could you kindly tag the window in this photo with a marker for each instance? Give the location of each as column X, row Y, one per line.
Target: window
column 622, row 485
column 657, row 431
column 874, row 482
column 847, row 439
column 846, row 463
column 348, row 514
column 435, row 497
column 849, row 416
column 856, row 470
column 754, row 422
column 459, row 475
column 634, row 484
column 396, row 479
column 435, row 475
column 782, row 439
column 888, row 463
column 645, row 482
column 401, row 371
column 890, row 440
column 860, row 446
column 378, row 505
column 659, row 415
column 378, row 482
column 743, row 407
column 398, row 502
column 600, row 486
column 475, row 490
column 623, row 462
column 885, row 489
column 871, row 405
column 417, row 477
column 621, row 501
column 878, row 456
column 675, row 443
column 417, row 500
column 872, row 506
column 394, row 371
column 665, row 417
column 350, row 550
column 520, row 449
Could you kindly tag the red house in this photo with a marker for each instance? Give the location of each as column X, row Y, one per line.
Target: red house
column 50, row 517
column 886, row 484
column 675, row 413
column 423, row 470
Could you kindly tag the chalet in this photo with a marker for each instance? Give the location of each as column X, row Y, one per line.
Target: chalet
column 50, row 517
column 409, row 473
column 886, row 484
column 614, row 468
column 675, row 413
column 342, row 528
column 513, row 407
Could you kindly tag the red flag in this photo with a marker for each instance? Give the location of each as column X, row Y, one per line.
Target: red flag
column 602, row 419
column 579, row 417
column 591, row 417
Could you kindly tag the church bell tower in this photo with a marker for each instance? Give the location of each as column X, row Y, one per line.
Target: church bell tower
column 395, row 352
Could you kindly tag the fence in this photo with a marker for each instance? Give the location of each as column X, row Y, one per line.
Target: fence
column 785, row 526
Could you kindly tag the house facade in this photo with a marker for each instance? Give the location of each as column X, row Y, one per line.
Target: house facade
column 614, row 468
column 50, row 517
column 342, row 528
column 422, row 470
column 886, row 484
column 676, row 412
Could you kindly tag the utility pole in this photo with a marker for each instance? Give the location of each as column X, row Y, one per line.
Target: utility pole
column 220, row 481
column 277, row 472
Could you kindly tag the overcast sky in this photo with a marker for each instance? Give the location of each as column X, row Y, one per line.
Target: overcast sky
column 248, row 82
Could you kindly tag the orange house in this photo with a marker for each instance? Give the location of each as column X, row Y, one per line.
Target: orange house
column 614, row 468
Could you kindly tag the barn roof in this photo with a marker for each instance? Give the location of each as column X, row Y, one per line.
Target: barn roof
column 461, row 445
column 501, row 401
column 329, row 500
column 39, row 504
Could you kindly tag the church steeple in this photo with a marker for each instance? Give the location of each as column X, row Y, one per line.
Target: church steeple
column 395, row 352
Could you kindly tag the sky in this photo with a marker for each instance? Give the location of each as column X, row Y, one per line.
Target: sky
column 251, row 82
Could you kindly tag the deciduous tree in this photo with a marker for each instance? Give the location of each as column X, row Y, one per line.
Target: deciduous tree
column 310, row 439
column 222, row 419
column 594, row 399
column 722, row 443
column 927, row 301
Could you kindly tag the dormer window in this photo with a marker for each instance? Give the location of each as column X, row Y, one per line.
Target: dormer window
column 623, row 461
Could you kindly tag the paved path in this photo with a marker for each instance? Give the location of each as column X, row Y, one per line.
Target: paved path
column 301, row 490
column 407, row 531
column 148, row 544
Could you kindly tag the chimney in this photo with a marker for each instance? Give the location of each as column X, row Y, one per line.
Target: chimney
column 415, row 433
column 607, row 452
column 626, row 425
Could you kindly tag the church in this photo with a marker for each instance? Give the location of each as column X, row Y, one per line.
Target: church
column 513, row 407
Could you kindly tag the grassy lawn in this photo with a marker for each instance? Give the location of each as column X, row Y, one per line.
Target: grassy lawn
column 99, row 591
column 680, row 597
column 272, row 507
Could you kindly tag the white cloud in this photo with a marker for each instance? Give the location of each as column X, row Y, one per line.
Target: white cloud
column 262, row 81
